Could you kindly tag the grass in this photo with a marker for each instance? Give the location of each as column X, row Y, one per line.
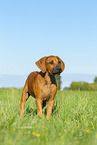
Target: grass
column 73, row 122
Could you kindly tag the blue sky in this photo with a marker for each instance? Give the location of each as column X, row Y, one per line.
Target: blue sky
column 31, row 29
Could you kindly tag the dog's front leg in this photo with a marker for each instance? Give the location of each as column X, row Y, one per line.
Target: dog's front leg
column 49, row 108
column 39, row 107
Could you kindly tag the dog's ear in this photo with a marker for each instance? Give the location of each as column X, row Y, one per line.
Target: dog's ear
column 62, row 64
column 41, row 64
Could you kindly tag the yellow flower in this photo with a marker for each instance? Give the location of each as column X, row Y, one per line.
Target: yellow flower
column 21, row 133
column 96, row 135
column 75, row 138
column 87, row 131
column 36, row 134
column 91, row 131
column 25, row 132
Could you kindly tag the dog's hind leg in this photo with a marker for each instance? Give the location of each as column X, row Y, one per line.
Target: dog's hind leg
column 24, row 98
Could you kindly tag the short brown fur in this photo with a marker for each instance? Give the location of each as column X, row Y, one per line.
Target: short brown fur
column 42, row 85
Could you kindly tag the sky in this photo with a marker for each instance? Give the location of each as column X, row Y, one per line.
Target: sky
column 32, row 29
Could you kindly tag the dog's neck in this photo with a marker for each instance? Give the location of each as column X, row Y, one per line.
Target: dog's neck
column 47, row 78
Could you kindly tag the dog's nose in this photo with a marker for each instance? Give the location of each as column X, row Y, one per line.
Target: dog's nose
column 59, row 68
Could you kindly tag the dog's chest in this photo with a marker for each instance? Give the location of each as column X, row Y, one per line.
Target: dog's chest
column 44, row 87
column 47, row 89
column 47, row 92
column 47, row 82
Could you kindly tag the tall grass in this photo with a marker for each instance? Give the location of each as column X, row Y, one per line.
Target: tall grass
column 73, row 122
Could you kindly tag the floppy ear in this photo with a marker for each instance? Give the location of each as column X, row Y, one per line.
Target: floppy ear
column 62, row 64
column 41, row 64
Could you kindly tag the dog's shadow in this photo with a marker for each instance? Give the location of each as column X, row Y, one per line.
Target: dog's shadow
column 30, row 111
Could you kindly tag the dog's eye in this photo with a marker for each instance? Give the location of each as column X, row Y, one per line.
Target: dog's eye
column 59, row 62
column 51, row 62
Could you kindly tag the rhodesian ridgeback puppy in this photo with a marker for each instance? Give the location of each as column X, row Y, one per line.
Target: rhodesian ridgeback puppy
column 42, row 85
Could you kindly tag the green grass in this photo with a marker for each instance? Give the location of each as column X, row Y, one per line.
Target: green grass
column 73, row 122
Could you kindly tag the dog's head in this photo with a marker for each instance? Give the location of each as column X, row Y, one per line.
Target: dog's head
column 52, row 64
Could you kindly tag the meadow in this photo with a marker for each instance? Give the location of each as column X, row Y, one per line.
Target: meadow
column 73, row 122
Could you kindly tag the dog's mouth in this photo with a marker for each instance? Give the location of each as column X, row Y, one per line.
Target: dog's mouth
column 56, row 73
column 57, row 70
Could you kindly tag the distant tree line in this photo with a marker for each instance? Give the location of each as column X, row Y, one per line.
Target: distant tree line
column 83, row 86
column 95, row 80
column 78, row 85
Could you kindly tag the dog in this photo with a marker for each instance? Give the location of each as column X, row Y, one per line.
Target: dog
column 42, row 85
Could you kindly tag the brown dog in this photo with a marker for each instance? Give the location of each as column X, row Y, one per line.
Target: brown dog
column 42, row 85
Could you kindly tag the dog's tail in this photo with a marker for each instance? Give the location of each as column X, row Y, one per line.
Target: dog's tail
column 24, row 98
